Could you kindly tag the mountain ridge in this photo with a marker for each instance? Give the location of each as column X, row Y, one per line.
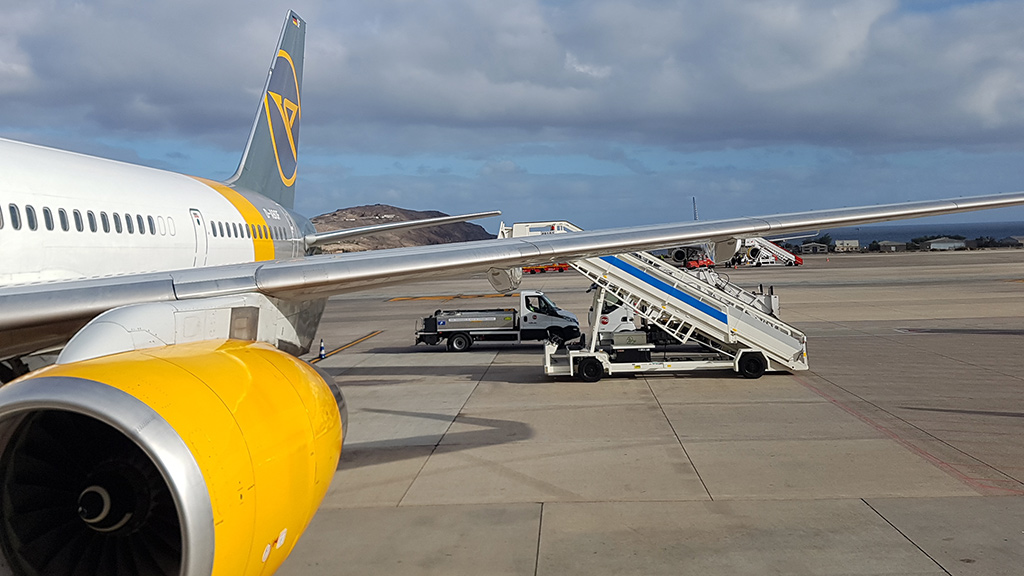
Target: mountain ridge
column 371, row 214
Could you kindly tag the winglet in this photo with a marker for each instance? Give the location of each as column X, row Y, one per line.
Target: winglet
column 268, row 164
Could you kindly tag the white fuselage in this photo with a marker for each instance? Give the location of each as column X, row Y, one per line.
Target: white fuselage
column 70, row 216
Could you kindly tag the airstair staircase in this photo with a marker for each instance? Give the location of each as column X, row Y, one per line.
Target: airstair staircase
column 698, row 306
column 782, row 256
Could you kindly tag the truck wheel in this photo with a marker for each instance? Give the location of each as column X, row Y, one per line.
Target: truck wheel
column 590, row 370
column 753, row 365
column 459, row 342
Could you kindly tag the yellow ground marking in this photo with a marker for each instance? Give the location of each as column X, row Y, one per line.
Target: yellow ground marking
column 345, row 347
column 452, row 297
column 262, row 248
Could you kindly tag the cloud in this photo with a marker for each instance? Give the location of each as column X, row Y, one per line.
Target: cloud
column 573, row 63
column 575, row 96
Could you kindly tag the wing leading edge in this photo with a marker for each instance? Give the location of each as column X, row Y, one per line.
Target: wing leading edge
column 24, row 308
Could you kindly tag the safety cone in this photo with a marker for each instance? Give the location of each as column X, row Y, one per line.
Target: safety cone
column 323, row 354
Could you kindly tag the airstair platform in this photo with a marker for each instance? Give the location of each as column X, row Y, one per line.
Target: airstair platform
column 693, row 307
column 699, row 306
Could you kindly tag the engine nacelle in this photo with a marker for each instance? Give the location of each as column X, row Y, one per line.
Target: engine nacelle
column 680, row 255
column 186, row 460
column 724, row 250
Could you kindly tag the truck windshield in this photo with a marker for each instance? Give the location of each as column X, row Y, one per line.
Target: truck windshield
column 541, row 305
column 611, row 302
column 549, row 306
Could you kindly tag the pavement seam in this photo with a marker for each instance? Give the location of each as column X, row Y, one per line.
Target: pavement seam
column 440, row 439
column 908, row 539
column 540, row 530
column 676, row 434
column 941, row 464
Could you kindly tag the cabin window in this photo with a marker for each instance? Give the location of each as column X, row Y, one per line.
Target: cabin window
column 15, row 216
column 213, row 229
column 117, row 222
column 105, row 222
column 161, row 226
column 1, row 219
column 248, row 231
column 30, row 217
column 62, row 215
column 220, row 226
column 170, row 226
column 92, row 220
column 259, row 231
column 142, row 225
column 152, row 225
column 129, row 224
column 48, row 218
column 78, row 220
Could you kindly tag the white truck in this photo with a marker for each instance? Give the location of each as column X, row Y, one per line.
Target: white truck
column 536, row 319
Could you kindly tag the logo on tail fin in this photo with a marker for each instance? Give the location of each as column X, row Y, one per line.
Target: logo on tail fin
column 283, row 109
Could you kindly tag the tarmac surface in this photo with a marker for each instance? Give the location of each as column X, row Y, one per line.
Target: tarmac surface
column 900, row 452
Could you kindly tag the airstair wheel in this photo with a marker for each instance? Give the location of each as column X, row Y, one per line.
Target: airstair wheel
column 78, row 498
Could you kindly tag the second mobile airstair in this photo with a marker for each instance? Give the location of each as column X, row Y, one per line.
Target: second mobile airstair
column 734, row 328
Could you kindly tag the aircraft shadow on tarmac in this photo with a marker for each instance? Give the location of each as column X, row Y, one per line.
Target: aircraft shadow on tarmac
column 376, row 375
column 393, row 450
column 965, row 331
column 969, row 412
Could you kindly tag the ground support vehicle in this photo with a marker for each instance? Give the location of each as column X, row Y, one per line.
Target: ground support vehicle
column 537, row 318
column 682, row 320
column 560, row 267
column 761, row 252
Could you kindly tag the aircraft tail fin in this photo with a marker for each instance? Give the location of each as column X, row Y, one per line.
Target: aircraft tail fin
column 268, row 164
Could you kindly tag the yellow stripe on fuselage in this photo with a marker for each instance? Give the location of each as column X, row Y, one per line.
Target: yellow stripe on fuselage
column 263, row 248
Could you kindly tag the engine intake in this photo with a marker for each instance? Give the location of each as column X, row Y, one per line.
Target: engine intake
column 186, row 460
column 94, row 481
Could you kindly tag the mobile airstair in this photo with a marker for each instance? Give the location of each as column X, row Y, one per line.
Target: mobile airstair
column 728, row 326
column 761, row 251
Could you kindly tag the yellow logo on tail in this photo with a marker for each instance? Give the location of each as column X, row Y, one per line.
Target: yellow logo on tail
column 284, row 109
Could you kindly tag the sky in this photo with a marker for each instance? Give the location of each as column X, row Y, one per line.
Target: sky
column 604, row 113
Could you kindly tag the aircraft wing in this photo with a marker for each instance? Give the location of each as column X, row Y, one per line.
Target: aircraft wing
column 74, row 302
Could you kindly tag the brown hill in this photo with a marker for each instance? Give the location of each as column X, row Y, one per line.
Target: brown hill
column 382, row 214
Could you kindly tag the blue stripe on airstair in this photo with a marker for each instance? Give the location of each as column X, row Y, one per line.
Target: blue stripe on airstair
column 667, row 289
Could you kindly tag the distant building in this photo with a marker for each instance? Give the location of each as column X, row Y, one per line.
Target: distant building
column 1014, row 241
column 814, row 248
column 847, row 245
column 890, row 246
column 943, row 244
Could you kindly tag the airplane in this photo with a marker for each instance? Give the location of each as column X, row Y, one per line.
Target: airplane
column 178, row 432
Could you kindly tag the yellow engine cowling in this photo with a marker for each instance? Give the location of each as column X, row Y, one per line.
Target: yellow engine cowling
column 186, row 460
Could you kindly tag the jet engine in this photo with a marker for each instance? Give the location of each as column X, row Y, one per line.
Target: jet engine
column 193, row 459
